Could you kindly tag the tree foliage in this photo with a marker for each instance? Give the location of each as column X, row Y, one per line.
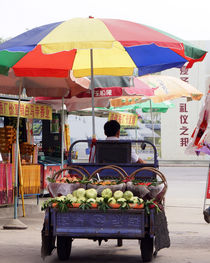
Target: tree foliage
column 2, row 40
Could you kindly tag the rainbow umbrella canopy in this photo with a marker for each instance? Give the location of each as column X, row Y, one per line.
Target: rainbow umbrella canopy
column 120, row 48
column 47, row 56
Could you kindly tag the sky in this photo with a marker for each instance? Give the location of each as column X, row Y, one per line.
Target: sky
column 187, row 19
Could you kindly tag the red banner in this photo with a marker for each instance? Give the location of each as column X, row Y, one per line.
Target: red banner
column 102, row 92
column 208, row 186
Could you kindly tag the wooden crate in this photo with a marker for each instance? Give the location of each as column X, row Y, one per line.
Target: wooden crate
column 7, row 138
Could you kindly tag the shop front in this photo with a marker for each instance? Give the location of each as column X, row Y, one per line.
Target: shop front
column 29, row 168
column 50, row 153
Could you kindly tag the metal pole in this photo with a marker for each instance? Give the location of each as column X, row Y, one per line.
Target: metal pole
column 153, row 134
column 62, row 133
column 16, row 155
column 136, row 136
column 92, row 93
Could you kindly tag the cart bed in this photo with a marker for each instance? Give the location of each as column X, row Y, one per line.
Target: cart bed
column 93, row 223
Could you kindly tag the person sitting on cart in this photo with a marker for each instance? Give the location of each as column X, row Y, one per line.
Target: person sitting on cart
column 112, row 131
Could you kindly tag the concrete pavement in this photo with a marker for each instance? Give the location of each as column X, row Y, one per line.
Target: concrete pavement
column 189, row 233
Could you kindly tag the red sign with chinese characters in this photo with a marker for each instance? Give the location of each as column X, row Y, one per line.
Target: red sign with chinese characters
column 102, row 92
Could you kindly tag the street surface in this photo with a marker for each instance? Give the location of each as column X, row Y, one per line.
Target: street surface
column 189, row 233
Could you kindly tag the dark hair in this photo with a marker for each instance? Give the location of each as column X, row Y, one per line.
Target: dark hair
column 111, row 128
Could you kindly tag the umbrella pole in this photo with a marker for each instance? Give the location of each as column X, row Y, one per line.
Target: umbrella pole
column 62, row 133
column 136, row 137
column 16, row 156
column 153, row 135
column 15, row 223
column 92, row 93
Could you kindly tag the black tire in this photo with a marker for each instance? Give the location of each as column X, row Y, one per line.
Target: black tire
column 48, row 242
column 63, row 247
column 147, row 246
column 119, row 242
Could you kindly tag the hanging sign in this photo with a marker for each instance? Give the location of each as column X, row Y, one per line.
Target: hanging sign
column 124, row 119
column 27, row 110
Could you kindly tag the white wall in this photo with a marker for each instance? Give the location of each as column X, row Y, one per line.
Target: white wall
column 199, row 77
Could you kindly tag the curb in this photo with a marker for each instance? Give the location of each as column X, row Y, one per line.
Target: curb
column 184, row 163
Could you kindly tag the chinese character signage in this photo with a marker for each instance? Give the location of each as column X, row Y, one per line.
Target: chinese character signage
column 125, row 119
column 183, row 113
column 27, row 110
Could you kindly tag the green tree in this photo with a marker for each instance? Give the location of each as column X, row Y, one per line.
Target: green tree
column 2, row 40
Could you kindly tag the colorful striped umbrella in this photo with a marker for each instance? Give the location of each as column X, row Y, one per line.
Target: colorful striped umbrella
column 164, row 87
column 146, row 107
column 102, row 96
column 119, row 46
column 89, row 46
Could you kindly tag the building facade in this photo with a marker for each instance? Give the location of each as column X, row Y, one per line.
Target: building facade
column 178, row 123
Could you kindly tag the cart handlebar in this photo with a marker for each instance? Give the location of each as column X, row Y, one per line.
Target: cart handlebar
column 142, row 142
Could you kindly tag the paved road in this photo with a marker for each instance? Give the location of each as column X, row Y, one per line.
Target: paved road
column 190, row 235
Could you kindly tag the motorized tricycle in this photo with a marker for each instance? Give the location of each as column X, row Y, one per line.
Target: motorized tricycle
column 148, row 224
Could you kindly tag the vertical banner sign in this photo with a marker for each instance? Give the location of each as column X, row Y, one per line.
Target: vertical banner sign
column 208, row 186
column 183, row 111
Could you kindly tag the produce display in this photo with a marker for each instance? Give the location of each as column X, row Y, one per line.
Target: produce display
column 114, row 185
column 68, row 179
column 75, row 190
column 89, row 199
column 68, row 183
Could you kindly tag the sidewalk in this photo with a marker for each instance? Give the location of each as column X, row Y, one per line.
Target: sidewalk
column 31, row 208
column 181, row 163
column 33, row 213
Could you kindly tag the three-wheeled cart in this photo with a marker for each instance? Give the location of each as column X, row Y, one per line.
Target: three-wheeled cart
column 149, row 228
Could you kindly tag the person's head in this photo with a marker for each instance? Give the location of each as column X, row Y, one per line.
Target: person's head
column 112, row 128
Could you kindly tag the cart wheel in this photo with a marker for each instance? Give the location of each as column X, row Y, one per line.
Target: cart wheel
column 119, row 242
column 63, row 247
column 147, row 248
column 48, row 243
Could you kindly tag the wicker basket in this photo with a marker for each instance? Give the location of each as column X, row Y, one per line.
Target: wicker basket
column 151, row 192
column 118, row 173
column 79, row 171
column 58, row 189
